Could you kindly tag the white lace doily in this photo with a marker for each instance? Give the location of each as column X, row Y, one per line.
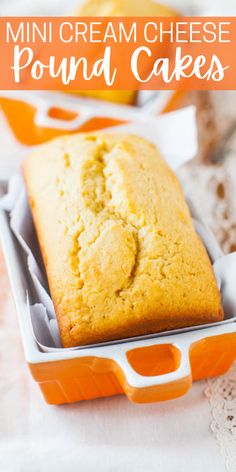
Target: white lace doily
column 213, row 190
column 221, row 392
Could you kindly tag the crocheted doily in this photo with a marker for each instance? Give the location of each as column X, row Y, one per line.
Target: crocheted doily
column 213, row 191
column 221, row 392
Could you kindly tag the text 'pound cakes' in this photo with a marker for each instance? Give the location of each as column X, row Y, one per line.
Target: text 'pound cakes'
column 120, row 8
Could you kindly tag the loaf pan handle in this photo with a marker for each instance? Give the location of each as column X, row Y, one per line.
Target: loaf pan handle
column 42, row 118
column 143, row 388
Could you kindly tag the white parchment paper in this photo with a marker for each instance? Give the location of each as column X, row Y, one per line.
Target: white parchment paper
column 175, row 135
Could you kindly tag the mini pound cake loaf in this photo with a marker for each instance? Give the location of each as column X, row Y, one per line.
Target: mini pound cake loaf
column 124, row 8
column 121, row 253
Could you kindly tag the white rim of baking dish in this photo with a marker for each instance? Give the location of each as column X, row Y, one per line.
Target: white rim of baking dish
column 114, row 351
column 88, row 107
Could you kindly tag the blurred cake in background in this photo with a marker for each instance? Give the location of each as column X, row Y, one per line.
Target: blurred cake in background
column 124, row 8
column 120, row 8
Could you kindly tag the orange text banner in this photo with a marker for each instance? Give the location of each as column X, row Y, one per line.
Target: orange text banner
column 52, row 53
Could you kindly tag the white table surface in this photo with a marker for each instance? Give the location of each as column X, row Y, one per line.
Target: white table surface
column 101, row 435
column 105, row 434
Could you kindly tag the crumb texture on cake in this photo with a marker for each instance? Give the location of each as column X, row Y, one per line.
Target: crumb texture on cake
column 121, row 253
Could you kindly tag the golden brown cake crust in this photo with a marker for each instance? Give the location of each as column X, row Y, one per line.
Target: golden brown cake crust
column 120, row 250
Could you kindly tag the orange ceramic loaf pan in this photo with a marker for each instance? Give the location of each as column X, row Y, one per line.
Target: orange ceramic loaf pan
column 36, row 118
column 146, row 370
